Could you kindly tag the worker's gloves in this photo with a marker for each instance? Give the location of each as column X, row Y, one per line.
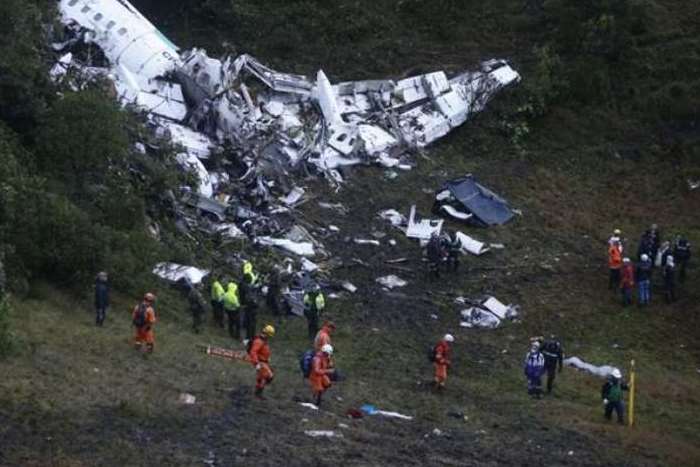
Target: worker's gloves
column 605, row 402
column 258, row 366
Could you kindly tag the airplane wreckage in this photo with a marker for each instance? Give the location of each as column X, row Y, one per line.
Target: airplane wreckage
column 265, row 125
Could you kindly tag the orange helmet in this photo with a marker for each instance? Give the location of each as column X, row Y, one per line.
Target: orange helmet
column 149, row 297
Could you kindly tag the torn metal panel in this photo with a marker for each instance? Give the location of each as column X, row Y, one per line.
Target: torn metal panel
column 298, row 248
column 192, row 162
column 456, row 213
column 424, row 229
column 174, row 272
column 475, row 317
column 501, row 311
column 208, row 206
column 465, row 192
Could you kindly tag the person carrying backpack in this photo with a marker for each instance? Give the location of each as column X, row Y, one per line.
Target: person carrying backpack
column 259, row 356
column 534, row 368
column 442, row 361
column 612, row 396
column 144, row 319
column 321, row 371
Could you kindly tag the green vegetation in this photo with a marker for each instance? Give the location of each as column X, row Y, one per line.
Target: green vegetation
column 602, row 133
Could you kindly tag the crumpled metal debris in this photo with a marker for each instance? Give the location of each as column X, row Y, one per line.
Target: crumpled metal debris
column 291, row 124
column 487, row 313
column 391, row 281
column 174, row 272
column 424, row 229
column 467, row 200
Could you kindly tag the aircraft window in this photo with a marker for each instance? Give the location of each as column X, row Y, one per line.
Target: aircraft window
column 85, row 9
column 111, row 24
column 121, row 31
column 72, row 2
column 97, row 17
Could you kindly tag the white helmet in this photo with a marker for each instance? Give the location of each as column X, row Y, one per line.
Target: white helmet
column 616, row 373
column 645, row 257
column 327, row 349
column 449, row 338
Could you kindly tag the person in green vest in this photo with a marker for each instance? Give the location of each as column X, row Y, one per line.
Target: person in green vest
column 232, row 306
column 612, row 396
column 314, row 303
column 217, row 302
column 248, row 269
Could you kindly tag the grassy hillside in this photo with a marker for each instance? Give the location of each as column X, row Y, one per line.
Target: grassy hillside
column 601, row 134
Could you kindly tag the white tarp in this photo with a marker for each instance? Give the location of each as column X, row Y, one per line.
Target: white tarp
column 174, row 272
column 499, row 309
column 602, row 371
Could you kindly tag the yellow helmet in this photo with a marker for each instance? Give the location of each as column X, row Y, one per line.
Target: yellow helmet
column 268, row 330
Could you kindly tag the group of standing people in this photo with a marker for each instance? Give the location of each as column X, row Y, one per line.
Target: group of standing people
column 236, row 297
column 545, row 356
column 442, row 250
column 654, row 257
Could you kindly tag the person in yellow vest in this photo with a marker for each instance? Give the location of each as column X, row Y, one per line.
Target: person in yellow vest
column 314, row 303
column 232, row 306
column 217, row 302
column 248, row 269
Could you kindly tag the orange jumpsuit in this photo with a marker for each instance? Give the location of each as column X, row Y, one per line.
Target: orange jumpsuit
column 442, row 362
column 614, row 257
column 260, row 354
column 320, row 369
column 145, row 334
column 322, row 338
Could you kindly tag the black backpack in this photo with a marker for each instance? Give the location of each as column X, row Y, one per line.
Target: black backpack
column 432, row 352
column 305, row 362
column 140, row 317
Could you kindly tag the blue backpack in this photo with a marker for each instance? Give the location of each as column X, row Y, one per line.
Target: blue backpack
column 305, row 362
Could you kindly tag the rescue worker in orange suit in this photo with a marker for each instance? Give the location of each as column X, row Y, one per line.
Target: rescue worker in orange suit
column 321, row 372
column 323, row 336
column 614, row 264
column 442, row 360
column 259, row 357
column 144, row 319
column 627, row 281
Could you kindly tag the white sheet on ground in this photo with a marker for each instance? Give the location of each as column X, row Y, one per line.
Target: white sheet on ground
column 499, row 309
column 602, row 371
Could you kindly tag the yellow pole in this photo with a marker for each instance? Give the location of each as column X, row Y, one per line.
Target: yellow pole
column 630, row 409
